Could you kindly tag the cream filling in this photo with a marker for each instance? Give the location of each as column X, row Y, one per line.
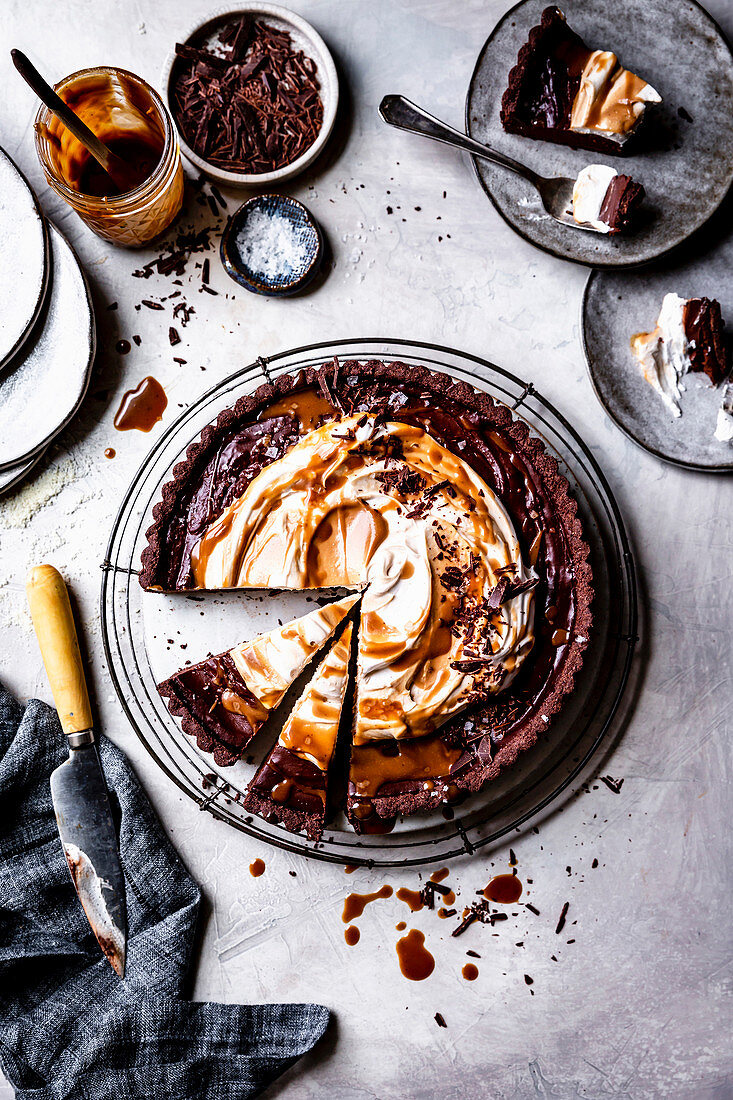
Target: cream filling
column 662, row 353
column 267, row 538
column 271, row 662
column 611, row 100
column 589, row 191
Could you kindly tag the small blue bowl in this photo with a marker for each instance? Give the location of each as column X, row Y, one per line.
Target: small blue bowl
column 272, row 245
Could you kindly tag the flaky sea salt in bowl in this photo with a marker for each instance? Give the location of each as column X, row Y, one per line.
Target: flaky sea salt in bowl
column 272, row 245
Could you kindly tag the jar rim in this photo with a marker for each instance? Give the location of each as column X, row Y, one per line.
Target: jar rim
column 116, row 203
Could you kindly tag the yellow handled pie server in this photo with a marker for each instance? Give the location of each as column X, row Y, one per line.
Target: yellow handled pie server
column 78, row 789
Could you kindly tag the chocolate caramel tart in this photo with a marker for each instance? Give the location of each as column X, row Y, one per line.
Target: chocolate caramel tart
column 419, row 764
column 562, row 91
column 291, row 785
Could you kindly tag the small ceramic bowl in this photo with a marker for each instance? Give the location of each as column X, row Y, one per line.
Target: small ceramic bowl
column 304, row 38
column 272, row 245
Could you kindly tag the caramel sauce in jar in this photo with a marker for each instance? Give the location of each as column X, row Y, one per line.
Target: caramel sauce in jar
column 129, row 117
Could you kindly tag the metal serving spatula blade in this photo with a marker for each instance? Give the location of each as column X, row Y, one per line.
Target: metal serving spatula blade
column 556, row 192
column 78, row 789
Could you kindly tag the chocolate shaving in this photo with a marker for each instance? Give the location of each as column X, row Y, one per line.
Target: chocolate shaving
column 439, row 1020
column 173, row 336
column 256, row 109
column 467, row 921
column 614, row 785
column 563, row 915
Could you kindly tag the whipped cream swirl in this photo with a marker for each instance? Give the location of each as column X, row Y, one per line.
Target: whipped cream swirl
column 385, row 507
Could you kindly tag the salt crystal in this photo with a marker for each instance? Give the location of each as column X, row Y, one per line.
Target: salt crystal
column 271, row 246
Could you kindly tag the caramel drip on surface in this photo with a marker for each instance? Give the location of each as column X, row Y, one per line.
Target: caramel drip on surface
column 470, row 972
column 355, row 904
column 416, row 962
column 307, row 406
column 441, row 875
column 419, row 759
column 257, row 868
column 352, row 935
column 411, row 898
column 503, row 889
column 142, row 407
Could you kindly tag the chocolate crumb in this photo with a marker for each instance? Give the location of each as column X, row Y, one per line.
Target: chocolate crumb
column 173, row 336
column 439, row 1020
column 528, row 980
column 473, row 954
column 563, row 915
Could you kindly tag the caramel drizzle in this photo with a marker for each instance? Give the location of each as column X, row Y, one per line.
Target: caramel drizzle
column 312, row 728
column 609, row 97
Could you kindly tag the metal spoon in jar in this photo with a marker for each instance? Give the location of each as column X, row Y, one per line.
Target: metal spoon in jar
column 122, row 174
column 556, row 192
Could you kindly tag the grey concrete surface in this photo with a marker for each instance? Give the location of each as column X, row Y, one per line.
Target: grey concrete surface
column 632, row 1000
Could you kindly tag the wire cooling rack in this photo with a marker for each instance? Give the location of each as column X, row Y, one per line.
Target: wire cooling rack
column 525, row 791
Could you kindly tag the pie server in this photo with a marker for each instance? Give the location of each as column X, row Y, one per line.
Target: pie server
column 78, row 790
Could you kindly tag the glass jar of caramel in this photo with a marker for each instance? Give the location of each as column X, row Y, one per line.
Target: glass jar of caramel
column 129, row 117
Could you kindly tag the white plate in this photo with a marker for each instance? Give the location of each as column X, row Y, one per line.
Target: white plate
column 45, row 384
column 25, row 251
column 13, row 475
column 305, row 38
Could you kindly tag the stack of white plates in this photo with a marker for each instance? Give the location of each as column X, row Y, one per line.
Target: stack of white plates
column 47, row 332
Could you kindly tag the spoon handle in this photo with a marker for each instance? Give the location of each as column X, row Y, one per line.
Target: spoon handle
column 112, row 164
column 400, row 112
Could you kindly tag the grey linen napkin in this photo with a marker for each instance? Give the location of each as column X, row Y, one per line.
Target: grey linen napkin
column 69, row 1028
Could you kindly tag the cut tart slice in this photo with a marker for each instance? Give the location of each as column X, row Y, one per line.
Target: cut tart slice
column 224, row 700
column 562, row 91
column 688, row 336
column 291, row 786
column 606, row 199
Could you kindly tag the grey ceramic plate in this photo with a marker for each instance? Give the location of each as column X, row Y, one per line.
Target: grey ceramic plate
column 686, row 167
column 618, row 304
column 25, row 251
column 13, row 475
column 44, row 386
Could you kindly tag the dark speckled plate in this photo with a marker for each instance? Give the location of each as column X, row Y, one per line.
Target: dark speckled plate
column 685, row 166
column 618, row 304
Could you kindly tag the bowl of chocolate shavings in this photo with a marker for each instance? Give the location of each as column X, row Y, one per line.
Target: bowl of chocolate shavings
column 253, row 94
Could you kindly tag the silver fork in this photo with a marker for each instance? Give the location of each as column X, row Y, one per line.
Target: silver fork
column 556, row 192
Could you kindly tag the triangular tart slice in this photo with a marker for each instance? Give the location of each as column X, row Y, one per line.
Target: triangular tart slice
column 291, row 786
column 224, row 700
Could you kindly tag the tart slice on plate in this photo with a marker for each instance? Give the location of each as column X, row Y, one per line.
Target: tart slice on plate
column 224, row 700
column 562, row 91
column 291, row 786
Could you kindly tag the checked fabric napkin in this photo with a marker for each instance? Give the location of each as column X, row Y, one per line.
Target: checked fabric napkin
column 69, row 1028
